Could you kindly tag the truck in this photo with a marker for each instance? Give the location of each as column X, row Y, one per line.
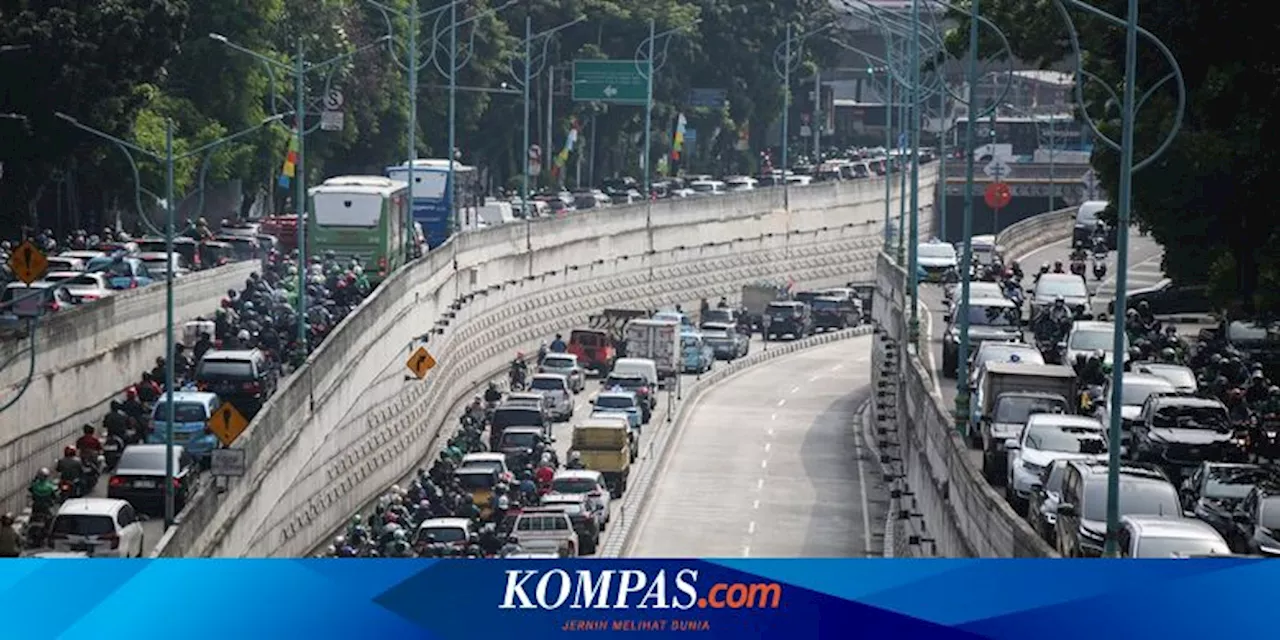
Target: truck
column 606, row 444
column 1006, row 394
column 657, row 340
column 601, row 342
column 756, row 297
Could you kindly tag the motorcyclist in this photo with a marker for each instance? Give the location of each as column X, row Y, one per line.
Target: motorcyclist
column 43, row 492
column 475, row 410
column 1237, row 408
column 1145, row 315
column 1256, row 392
column 89, row 446
column 69, row 467
column 1057, row 267
column 723, row 303
column 492, row 395
column 575, row 461
column 558, row 345
column 1059, row 312
column 1271, row 406
column 519, row 371
column 1091, row 372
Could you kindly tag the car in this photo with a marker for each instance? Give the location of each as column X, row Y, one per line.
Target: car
column 1045, row 438
column 1165, row 298
column 1136, row 388
column 1179, row 432
column 191, row 413
column 122, row 271
column 140, row 474
column 1008, row 418
column 487, row 460
column 594, row 349
column 788, row 318
column 586, row 482
column 243, row 377
column 1068, row 286
column 721, row 315
column 1087, row 221
column 725, row 340
column 511, row 416
column 84, row 256
column 977, row 289
column 679, row 317
column 697, row 356
column 517, row 442
column 533, row 399
column 643, row 367
column 1082, row 507
column 833, row 314
column 1042, row 506
column 22, row 302
column 1168, row 537
column 457, row 532
column 565, row 364
column 66, row 263
column 990, row 319
column 479, row 482
column 555, row 388
column 1214, row 491
column 1257, row 522
column 1181, row 377
column 159, row 264
column 619, row 402
column 538, row 525
column 1088, row 336
column 98, row 527
column 583, row 513
column 637, row 385
column 937, row 260
column 88, row 287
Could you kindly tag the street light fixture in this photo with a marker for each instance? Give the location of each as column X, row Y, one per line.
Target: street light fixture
column 169, row 159
column 299, row 69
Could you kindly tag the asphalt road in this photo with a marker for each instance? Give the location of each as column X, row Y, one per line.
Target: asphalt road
column 770, row 464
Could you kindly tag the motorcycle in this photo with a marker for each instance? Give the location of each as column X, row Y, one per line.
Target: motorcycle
column 1099, row 269
column 1077, row 268
column 37, row 529
column 1265, row 440
column 68, row 489
column 516, row 379
column 112, row 447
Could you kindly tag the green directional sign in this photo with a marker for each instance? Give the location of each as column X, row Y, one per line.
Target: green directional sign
column 616, row 81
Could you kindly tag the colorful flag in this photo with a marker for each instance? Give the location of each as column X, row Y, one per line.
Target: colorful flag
column 571, row 141
column 290, row 162
column 677, row 144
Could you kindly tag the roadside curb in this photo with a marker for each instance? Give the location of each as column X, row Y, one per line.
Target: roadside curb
column 636, row 500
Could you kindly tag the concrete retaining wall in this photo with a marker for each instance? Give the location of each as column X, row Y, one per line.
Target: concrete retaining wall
column 962, row 515
column 348, row 424
column 84, row 358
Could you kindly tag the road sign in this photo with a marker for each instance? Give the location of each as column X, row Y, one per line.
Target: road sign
column 708, row 98
column 334, row 100
column 227, row 423
column 1090, row 182
column 616, row 81
column 332, row 121
column 998, row 195
column 28, row 262
column 421, row 362
column 227, row 462
column 997, row 169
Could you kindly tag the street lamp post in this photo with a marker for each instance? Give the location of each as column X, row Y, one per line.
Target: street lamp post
column 786, row 57
column 299, row 69
column 645, row 52
column 169, row 159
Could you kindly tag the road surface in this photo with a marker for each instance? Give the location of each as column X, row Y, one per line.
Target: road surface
column 770, row 464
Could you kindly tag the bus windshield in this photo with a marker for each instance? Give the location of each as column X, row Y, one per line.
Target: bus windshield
column 348, row 209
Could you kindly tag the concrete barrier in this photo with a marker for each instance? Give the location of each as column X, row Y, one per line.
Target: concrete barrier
column 84, row 358
column 961, row 514
column 347, row 425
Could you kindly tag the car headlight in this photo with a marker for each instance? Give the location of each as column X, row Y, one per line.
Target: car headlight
column 1275, row 551
column 1032, row 468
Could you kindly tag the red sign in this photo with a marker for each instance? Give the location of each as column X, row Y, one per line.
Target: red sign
column 997, row 195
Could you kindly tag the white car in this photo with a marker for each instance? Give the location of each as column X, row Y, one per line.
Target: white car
column 565, row 364
column 88, row 287
column 555, row 388
column 584, row 481
column 99, row 527
column 66, row 263
column 487, row 460
column 1045, row 438
column 1087, row 336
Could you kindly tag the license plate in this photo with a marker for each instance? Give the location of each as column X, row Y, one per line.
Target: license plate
column 1195, row 451
column 82, row 547
column 144, row 484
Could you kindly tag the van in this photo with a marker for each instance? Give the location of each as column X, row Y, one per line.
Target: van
column 242, row 377
column 507, row 416
column 643, row 367
column 1086, row 221
column 494, row 213
column 191, row 413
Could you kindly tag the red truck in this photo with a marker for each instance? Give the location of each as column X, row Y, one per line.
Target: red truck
column 600, row 343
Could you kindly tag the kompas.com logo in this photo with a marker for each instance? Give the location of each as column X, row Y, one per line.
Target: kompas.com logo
column 612, row 589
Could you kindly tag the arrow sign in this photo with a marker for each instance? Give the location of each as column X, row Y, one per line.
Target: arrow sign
column 420, row 363
column 610, row 91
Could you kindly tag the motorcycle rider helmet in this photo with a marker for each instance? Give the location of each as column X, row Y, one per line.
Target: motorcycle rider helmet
column 575, row 456
column 1044, row 267
column 503, row 503
column 1057, row 265
column 1168, row 354
column 1059, row 301
column 131, row 393
column 69, row 452
column 519, row 355
column 339, row 541
column 1215, row 359
column 43, row 473
column 1236, row 393
column 1274, row 390
column 1144, row 306
column 87, row 429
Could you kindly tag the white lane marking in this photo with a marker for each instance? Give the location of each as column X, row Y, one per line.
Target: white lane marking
column 764, row 464
column 837, row 367
column 794, row 389
column 769, row 431
column 812, row 378
column 751, row 528
column 773, row 417
column 767, row 446
column 928, row 352
column 862, row 493
column 746, row 551
column 759, row 484
column 782, row 402
column 755, row 504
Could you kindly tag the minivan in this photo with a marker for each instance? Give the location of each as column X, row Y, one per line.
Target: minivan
column 1087, row 221
column 244, row 378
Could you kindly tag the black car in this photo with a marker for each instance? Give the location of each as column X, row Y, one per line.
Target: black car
column 245, row 378
column 140, row 476
column 1215, row 490
column 1168, row 298
column 1082, row 507
column 989, row 319
column 1179, row 432
column 830, row 313
column 788, row 318
column 1257, row 522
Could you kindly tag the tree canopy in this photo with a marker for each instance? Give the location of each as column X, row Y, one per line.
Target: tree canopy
column 1204, row 197
column 130, row 67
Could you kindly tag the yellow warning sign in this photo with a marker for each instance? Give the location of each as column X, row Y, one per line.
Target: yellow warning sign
column 227, row 423
column 28, row 262
column 421, row 362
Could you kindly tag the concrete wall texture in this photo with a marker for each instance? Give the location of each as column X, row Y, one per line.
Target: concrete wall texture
column 85, row 357
column 348, row 424
column 963, row 516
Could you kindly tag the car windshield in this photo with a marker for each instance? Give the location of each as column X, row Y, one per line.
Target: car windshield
column 1270, row 513
column 473, row 481
column 518, row 440
column 547, row 384
column 552, row 362
column 142, row 459
column 84, row 525
column 1180, row 547
column 1178, row 376
column 1016, row 409
column 1065, row 439
column 993, row 316
column 586, row 338
column 825, row 305
column 1190, row 417
column 225, row 370
column 1065, row 287
column 182, row 412
column 113, row 268
column 718, row 315
column 714, row 333
column 490, row 465
column 1232, row 483
column 573, row 485
column 1135, row 393
column 624, row 382
column 82, row 281
column 614, row 402
column 504, row 418
column 447, row 535
column 937, row 250
column 1086, row 340
column 1142, row 498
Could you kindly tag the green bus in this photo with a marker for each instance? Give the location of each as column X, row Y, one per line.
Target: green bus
column 362, row 217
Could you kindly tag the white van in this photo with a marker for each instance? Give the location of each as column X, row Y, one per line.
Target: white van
column 643, row 367
column 494, row 213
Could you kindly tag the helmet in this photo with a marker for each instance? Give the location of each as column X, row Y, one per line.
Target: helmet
column 88, row 429
column 1059, row 300
column 1057, row 264
column 339, row 541
column 575, row 456
column 519, row 355
column 43, row 472
column 69, row 451
column 503, row 503
column 1236, row 393
column 1168, row 353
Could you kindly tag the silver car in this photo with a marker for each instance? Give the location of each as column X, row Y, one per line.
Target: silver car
column 565, row 364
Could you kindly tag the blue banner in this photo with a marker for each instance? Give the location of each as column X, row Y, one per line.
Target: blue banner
column 532, row 599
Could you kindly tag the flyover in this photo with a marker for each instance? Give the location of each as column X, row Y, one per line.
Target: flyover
column 348, row 425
